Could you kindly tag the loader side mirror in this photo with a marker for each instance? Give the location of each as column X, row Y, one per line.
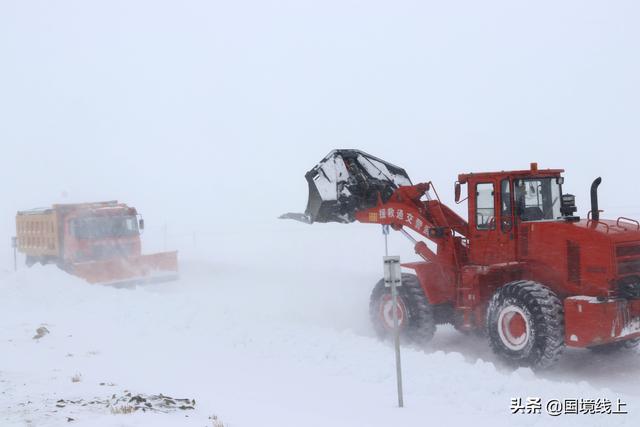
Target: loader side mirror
column 141, row 224
column 457, row 191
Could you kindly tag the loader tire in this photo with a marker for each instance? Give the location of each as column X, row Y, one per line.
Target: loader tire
column 525, row 324
column 415, row 314
column 616, row 346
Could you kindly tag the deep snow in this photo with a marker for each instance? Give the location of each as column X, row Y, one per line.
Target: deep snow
column 271, row 334
column 205, row 115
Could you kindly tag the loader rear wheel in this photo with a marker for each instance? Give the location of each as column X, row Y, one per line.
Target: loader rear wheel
column 616, row 346
column 525, row 324
column 415, row 315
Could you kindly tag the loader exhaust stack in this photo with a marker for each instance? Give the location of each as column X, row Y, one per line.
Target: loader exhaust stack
column 595, row 213
column 347, row 181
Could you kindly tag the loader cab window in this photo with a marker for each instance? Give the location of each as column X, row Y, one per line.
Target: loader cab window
column 538, row 199
column 506, row 219
column 485, row 208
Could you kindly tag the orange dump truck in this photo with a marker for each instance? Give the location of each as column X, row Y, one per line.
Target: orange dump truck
column 99, row 242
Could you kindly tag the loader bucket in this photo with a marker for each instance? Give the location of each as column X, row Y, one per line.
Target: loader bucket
column 345, row 182
column 132, row 270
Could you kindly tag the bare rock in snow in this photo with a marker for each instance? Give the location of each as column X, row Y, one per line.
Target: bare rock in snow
column 128, row 402
column 40, row 332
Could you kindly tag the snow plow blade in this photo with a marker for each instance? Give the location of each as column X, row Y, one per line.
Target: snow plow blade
column 345, row 182
column 158, row 267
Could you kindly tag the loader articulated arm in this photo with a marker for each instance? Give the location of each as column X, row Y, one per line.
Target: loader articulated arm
column 429, row 218
column 350, row 185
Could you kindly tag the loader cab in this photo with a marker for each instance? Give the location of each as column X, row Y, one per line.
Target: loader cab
column 501, row 204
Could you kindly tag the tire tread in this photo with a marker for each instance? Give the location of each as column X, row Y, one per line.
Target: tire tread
column 547, row 317
column 421, row 324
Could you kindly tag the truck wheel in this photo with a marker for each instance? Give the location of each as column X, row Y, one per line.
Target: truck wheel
column 415, row 314
column 525, row 324
column 30, row 261
column 615, row 346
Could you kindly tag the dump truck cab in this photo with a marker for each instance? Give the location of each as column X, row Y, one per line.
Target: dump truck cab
column 101, row 232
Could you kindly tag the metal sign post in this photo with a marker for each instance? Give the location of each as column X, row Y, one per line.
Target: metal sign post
column 393, row 279
column 14, row 245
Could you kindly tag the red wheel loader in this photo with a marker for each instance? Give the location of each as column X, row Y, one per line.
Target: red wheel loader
column 524, row 269
column 99, row 242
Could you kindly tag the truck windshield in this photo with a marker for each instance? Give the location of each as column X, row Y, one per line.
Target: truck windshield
column 538, row 199
column 104, row 226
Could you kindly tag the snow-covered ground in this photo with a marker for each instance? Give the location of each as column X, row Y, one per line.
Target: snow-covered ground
column 205, row 116
column 273, row 332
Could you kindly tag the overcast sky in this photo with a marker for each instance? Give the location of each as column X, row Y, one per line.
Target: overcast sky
column 208, row 113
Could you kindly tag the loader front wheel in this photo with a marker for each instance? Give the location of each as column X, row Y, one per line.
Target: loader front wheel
column 525, row 324
column 415, row 315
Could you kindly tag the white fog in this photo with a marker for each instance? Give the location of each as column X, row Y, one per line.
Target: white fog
column 206, row 115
